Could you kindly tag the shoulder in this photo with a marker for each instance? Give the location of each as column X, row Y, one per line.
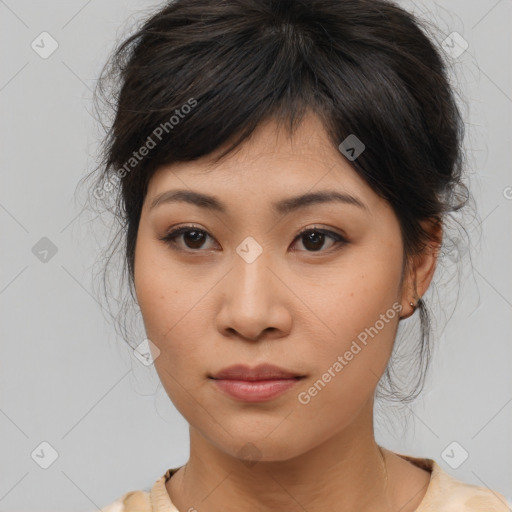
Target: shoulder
column 152, row 500
column 134, row 501
column 448, row 494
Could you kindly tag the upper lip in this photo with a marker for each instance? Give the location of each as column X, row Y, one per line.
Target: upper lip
column 260, row 372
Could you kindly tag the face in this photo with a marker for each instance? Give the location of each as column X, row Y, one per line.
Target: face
column 313, row 287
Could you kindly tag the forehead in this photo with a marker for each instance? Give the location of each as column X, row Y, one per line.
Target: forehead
column 269, row 164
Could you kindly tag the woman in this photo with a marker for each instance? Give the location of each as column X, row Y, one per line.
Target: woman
column 284, row 170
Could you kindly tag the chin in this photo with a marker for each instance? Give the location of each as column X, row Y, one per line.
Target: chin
column 254, row 449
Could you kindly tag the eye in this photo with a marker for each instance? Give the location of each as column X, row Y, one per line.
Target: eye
column 193, row 238
column 314, row 238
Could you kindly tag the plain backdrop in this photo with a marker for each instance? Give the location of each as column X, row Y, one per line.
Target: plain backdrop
column 81, row 420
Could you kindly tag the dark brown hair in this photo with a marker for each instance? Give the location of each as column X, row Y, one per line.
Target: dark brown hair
column 203, row 73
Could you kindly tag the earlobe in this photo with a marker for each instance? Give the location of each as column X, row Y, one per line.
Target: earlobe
column 412, row 306
column 421, row 268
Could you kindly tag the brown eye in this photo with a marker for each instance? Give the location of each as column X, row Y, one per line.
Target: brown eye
column 192, row 237
column 313, row 239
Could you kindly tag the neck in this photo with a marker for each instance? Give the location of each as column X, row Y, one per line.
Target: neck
column 344, row 473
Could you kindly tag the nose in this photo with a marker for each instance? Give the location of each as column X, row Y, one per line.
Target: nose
column 256, row 302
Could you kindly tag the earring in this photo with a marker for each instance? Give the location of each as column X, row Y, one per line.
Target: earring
column 414, row 307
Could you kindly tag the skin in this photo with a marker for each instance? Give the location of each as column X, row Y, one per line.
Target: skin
column 205, row 308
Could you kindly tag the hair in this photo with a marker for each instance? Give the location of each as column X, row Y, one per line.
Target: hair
column 201, row 74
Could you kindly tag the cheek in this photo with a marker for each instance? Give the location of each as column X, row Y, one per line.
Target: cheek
column 361, row 308
column 158, row 285
column 173, row 313
column 157, row 297
column 355, row 294
column 167, row 311
column 169, row 318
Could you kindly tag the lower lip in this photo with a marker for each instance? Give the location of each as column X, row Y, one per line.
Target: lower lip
column 255, row 391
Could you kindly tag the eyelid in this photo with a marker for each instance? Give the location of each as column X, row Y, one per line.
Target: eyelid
column 327, row 231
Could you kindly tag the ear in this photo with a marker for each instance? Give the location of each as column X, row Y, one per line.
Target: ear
column 420, row 267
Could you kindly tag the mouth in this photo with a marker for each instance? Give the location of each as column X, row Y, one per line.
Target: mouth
column 260, row 372
column 259, row 384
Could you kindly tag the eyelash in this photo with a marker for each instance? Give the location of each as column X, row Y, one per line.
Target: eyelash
column 170, row 238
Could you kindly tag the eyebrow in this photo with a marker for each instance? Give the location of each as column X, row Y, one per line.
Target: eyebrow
column 282, row 206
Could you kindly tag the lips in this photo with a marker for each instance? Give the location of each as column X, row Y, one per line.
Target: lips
column 259, row 373
column 259, row 384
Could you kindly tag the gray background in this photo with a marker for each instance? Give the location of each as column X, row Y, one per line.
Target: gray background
column 69, row 380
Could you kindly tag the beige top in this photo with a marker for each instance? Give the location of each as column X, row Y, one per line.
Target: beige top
column 444, row 494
